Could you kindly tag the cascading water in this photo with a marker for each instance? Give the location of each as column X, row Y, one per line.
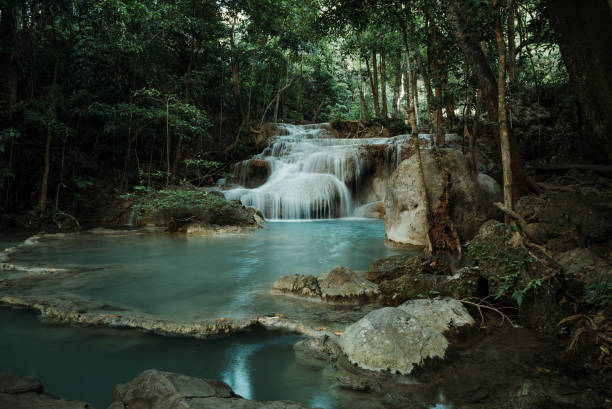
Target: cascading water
column 312, row 173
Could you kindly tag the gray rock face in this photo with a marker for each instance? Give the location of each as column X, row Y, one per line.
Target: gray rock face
column 439, row 313
column 391, row 339
column 24, row 392
column 404, row 212
column 154, row 389
column 339, row 285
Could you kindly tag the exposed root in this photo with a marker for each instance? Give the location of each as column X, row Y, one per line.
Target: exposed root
column 482, row 303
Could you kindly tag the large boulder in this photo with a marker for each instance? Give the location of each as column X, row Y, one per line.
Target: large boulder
column 440, row 313
column 154, row 389
column 405, row 212
column 391, row 339
column 339, row 285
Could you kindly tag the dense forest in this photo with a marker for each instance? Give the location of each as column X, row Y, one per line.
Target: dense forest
column 453, row 159
column 100, row 96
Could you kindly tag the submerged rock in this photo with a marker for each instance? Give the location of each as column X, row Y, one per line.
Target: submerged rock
column 391, row 339
column 440, row 313
column 154, row 389
column 339, row 285
column 404, row 210
column 24, row 392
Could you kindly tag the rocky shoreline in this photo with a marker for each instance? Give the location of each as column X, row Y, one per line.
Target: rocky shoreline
column 151, row 389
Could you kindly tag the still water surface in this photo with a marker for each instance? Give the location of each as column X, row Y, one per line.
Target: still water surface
column 187, row 278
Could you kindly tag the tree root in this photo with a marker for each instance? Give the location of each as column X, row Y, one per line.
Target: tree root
column 481, row 303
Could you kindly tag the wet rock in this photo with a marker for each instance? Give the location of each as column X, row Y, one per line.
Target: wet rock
column 24, row 392
column 404, row 211
column 359, row 384
column 11, row 383
column 406, row 277
column 461, row 285
column 373, row 210
column 396, row 266
column 391, row 339
column 298, row 284
column 440, row 313
column 252, row 173
column 315, row 351
column 154, row 389
column 339, row 285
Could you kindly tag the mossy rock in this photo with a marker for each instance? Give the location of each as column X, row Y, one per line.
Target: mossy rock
column 515, row 277
column 395, row 292
column 406, row 265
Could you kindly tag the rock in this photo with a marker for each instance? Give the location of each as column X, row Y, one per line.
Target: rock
column 342, row 284
column 10, row 383
column 576, row 260
column 315, row 351
column 490, row 186
column 391, row 339
column 373, row 210
column 359, row 384
column 396, row 266
column 298, row 284
column 404, row 211
column 440, row 313
column 252, row 173
column 339, row 285
column 154, row 389
column 24, row 392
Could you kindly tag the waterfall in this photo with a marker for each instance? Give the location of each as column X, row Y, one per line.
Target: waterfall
column 313, row 174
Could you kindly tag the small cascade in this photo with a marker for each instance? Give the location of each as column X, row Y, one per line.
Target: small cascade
column 308, row 173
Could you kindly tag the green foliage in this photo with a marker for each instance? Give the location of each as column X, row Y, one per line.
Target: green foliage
column 599, row 293
column 178, row 205
column 509, row 269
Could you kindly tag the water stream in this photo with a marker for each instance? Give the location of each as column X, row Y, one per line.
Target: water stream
column 313, row 174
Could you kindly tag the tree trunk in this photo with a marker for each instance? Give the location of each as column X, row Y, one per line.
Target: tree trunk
column 236, row 78
column 448, row 98
column 168, row 142
column 440, row 139
column 363, row 108
column 504, row 131
column 512, row 69
column 42, row 203
column 584, row 34
column 375, row 85
column 474, row 134
column 417, row 152
column 397, row 85
column 474, row 55
column 383, row 83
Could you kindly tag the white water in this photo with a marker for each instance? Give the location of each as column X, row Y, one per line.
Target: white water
column 313, row 175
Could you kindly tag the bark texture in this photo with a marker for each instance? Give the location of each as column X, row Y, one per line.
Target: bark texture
column 584, row 34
